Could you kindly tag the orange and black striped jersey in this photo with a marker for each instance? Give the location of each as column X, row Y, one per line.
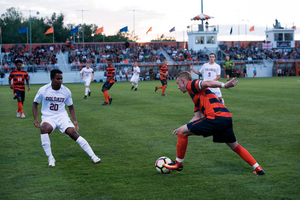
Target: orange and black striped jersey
column 18, row 79
column 206, row 102
column 110, row 71
column 163, row 69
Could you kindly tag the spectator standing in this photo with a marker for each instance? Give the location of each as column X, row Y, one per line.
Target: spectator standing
column 2, row 76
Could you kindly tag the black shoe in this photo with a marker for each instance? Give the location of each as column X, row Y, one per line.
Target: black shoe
column 132, row 87
column 104, row 103
column 110, row 100
column 135, row 89
column 89, row 93
column 261, row 172
column 163, row 95
column 84, row 97
column 155, row 89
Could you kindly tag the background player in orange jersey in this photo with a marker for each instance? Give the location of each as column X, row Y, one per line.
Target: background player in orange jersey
column 110, row 80
column 19, row 76
column 217, row 120
column 163, row 78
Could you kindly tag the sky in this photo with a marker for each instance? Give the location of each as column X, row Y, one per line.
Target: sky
column 163, row 15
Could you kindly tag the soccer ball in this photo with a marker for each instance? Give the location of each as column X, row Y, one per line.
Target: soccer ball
column 159, row 165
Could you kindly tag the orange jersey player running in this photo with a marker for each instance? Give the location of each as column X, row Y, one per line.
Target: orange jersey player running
column 19, row 76
column 110, row 80
column 163, row 78
column 217, row 120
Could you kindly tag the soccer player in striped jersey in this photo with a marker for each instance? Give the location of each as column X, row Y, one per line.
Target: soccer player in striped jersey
column 54, row 96
column 217, row 120
column 110, row 80
column 163, row 78
column 19, row 76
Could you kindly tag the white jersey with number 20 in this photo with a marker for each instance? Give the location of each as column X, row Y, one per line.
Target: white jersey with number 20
column 53, row 101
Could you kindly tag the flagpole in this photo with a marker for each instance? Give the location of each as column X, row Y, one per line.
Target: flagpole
column 53, row 34
column 27, row 34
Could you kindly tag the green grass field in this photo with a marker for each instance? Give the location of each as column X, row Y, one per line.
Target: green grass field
column 136, row 129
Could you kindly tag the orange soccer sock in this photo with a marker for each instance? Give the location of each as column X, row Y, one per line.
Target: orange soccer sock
column 106, row 96
column 182, row 142
column 20, row 107
column 163, row 90
column 243, row 153
column 160, row 87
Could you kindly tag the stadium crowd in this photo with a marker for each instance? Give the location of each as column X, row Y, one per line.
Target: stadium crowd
column 41, row 58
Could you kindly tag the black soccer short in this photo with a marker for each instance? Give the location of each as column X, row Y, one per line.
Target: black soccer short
column 221, row 130
column 228, row 72
column 107, row 85
column 19, row 93
column 163, row 82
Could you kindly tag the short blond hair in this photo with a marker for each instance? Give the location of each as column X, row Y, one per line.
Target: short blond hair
column 184, row 74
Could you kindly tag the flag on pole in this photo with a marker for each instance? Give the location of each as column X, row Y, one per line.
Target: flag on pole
column 0, row 30
column 251, row 29
column 50, row 30
column 293, row 27
column 23, row 30
column 231, row 31
column 75, row 30
column 100, row 30
column 172, row 29
column 125, row 29
column 150, row 29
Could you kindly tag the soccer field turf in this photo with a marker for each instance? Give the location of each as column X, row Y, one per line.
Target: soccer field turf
column 136, row 129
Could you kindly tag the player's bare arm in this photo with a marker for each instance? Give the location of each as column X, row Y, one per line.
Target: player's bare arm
column 217, row 78
column 197, row 116
column 196, row 72
column 73, row 115
column 35, row 114
column 214, row 84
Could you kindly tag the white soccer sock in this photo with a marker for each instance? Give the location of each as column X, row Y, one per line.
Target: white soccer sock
column 255, row 165
column 136, row 85
column 86, row 91
column 179, row 160
column 46, row 144
column 89, row 89
column 223, row 102
column 86, row 147
column 131, row 84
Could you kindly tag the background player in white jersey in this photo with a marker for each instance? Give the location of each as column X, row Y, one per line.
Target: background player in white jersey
column 54, row 96
column 135, row 76
column 211, row 71
column 87, row 74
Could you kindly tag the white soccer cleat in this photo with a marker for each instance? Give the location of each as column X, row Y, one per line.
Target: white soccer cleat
column 18, row 114
column 51, row 162
column 23, row 116
column 96, row 160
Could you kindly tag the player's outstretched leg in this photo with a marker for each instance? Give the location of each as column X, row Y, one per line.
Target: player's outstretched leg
column 87, row 148
column 246, row 156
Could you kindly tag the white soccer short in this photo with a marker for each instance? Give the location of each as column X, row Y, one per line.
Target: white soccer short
column 61, row 123
column 216, row 91
column 87, row 81
column 134, row 79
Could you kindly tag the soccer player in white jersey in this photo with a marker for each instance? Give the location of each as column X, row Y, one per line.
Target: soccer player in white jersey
column 54, row 96
column 211, row 71
column 135, row 76
column 87, row 74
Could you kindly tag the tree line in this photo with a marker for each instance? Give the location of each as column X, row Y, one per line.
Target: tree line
column 13, row 20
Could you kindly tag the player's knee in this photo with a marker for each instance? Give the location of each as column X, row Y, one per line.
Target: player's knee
column 165, row 86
